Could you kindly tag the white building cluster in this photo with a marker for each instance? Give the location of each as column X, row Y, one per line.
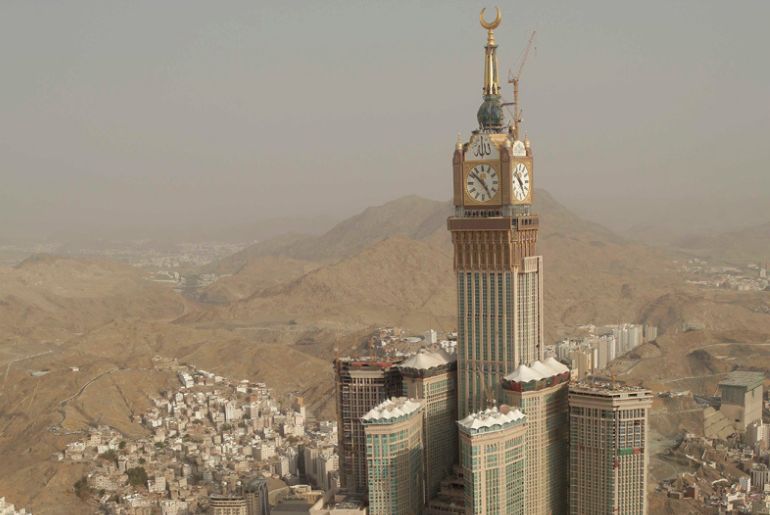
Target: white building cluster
column 209, row 436
column 9, row 509
column 600, row 345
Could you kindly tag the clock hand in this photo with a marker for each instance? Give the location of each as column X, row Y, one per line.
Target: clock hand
column 483, row 183
column 521, row 185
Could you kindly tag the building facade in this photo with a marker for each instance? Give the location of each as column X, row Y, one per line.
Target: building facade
column 608, row 449
column 499, row 276
column 395, row 456
column 255, row 493
column 360, row 386
column 431, row 376
column 741, row 393
column 493, row 461
column 228, row 505
column 540, row 391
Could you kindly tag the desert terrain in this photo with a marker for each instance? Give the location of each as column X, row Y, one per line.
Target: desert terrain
column 81, row 338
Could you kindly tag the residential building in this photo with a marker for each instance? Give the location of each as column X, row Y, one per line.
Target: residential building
column 608, row 449
column 493, row 461
column 394, row 455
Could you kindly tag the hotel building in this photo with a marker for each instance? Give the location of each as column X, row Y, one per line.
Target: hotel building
column 493, row 459
column 361, row 384
column 431, row 376
column 540, row 392
column 608, row 449
column 394, row 457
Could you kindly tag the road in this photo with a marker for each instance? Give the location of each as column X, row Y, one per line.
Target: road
column 8, row 368
column 86, row 385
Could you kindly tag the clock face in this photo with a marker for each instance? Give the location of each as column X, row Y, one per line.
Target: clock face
column 482, row 183
column 520, row 182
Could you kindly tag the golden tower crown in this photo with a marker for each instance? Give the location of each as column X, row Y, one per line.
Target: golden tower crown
column 490, row 114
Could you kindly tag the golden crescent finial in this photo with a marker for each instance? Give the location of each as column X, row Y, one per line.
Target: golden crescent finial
column 493, row 25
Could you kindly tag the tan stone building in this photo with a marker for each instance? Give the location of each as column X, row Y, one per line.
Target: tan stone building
column 493, row 461
column 540, row 392
column 431, row 376
column 741, row 394
column 394, row 456
column 608, row 449
column 361, row 384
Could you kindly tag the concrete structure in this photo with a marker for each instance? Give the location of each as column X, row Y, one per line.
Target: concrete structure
column 297, row 500
column 716, row 425
column 493, row 461
column 256, row 495
column 741, row 394
column 394, row 456
column 360, row 386
column 227, row 505
column 494, row 234
column 431, row 376
column 339, row 505
column 540, row 392
column 450, row 499
column 608, row 449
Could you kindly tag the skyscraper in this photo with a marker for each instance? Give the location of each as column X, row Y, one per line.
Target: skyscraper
column 608, row 449
column 394, row 455
column 431, row 376
column 360, row 386
column 499, row 276
column 540, row 392
column 493, row 461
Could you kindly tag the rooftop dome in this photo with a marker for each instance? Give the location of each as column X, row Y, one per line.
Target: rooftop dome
column 556, row 365
column 523, row 374
column 426, row 359
column 491, row 417
column 490, row 114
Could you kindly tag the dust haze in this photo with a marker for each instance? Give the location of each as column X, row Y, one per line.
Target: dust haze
column 189, row 118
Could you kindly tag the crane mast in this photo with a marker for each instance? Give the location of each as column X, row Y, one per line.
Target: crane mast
column 514, row 79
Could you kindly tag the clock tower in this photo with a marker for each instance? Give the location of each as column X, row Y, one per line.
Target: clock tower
column 494, row 232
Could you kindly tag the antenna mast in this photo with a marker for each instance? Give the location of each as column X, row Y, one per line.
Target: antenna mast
column 514, row 79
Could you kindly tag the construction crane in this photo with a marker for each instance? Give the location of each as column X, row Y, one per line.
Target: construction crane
column 514, row 79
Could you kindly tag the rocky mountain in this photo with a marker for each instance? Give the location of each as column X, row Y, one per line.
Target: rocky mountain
column 392, row 265
column 49, row 296
column 747, row 245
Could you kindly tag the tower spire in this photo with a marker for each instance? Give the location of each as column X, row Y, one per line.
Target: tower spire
column 490, row 115
column 491, row 78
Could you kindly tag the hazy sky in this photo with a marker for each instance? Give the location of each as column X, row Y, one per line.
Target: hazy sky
column 184, row 112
